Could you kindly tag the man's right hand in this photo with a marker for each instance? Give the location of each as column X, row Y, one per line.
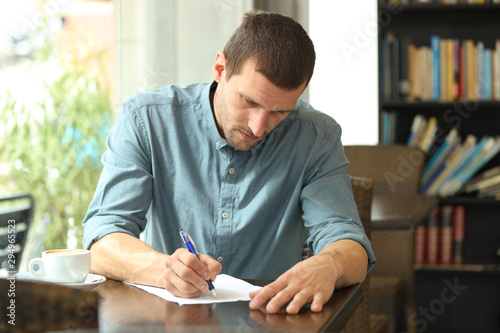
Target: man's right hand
column 186, row 276
column 123, row 257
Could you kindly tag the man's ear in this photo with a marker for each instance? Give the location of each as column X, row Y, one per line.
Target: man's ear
column 219, row 66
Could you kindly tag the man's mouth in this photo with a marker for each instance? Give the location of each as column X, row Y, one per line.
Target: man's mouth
column 247, row 137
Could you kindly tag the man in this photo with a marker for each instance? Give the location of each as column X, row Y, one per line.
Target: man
column 244, row 166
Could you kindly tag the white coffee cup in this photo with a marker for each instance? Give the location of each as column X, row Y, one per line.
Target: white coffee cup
column 62, row 266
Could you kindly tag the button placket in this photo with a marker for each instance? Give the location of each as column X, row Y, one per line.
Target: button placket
column 226, row 204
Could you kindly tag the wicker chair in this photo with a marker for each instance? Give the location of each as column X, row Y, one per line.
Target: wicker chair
column 363, row 320
column 42, row 307
column 395, row 170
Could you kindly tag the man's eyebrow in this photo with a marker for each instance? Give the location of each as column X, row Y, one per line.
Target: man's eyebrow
column 249, row 100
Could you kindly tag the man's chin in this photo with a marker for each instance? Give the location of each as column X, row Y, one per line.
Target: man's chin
column 243, row 145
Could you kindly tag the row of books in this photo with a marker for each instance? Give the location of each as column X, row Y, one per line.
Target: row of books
column 422, row 134
column 440, row 238
column 446, row 70
column 485, row 184
column 455, row 162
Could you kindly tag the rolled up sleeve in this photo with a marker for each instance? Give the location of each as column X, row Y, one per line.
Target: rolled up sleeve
column 124, row 191
column 329, row 209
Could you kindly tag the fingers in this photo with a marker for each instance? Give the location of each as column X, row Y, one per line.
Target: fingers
column 263, row 295
column 278, row 296
column 317, row 302
column 214, row 267
column 282, row 302
column 186, row 275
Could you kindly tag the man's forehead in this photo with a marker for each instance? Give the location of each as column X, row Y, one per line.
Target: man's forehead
column 257, row 88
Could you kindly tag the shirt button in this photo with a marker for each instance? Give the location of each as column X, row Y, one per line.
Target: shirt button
column 219, row 259
column 231, row 171
column 217, row 144
column 224, row 215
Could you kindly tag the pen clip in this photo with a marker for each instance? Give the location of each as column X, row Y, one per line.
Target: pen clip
column 192, row 243
column 188, row 241
column 184, row 236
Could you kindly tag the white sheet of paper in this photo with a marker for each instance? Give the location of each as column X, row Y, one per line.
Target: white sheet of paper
column 229, row 289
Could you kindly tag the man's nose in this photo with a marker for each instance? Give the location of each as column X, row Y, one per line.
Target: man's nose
column 257, row 122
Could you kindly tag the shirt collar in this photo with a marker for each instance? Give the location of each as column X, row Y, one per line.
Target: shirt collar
column 208, row 117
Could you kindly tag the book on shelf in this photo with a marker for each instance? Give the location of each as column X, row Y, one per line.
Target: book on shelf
column 427, row 139
column 490, row 192
column 487, row 184
column 413, row 65
column 441, row 167
column 481, row 82
column 445, row 70
column 439, row 239
column 446, row 235
column 483, row 153
column 404, row 80
column 433, row 226
column 436, row 83
column 458, row 229
column 484, row 181
column 417, row 130
column 420, row 245
column 455, row 161
column 386, row 63
column 480, row 176
column 496, row 65
column 440, row 155
column 388, row 127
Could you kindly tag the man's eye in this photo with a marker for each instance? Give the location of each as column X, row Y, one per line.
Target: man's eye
column 283, row 112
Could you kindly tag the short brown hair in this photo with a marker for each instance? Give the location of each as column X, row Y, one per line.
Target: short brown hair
column 283, row 51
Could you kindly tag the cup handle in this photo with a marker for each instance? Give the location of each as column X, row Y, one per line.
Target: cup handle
column 36, row 267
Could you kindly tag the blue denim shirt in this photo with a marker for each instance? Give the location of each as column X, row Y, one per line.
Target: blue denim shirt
column 167, row 167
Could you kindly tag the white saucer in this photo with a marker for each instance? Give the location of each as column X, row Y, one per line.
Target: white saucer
column 91, row 281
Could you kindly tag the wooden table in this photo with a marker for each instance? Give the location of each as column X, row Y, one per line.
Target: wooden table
column 124, row 308
column 400, row 212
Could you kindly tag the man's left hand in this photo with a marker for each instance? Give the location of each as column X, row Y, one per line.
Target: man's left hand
column 309, row 281
column 340, row 264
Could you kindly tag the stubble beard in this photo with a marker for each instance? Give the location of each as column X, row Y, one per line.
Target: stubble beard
column 231, row 134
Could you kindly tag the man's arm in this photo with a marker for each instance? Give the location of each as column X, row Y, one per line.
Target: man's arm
column 313, row 280
column 123, row 257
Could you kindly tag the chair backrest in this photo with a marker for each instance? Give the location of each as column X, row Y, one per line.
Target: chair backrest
column 394, row 169
column 362, row 189
column 16, row 213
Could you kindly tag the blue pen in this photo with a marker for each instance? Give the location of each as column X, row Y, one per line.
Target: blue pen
column 192, row 248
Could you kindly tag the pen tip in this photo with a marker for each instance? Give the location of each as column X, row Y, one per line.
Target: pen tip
column 214, row 293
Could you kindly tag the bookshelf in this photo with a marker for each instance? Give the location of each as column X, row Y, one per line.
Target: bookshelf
column 478, row 115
